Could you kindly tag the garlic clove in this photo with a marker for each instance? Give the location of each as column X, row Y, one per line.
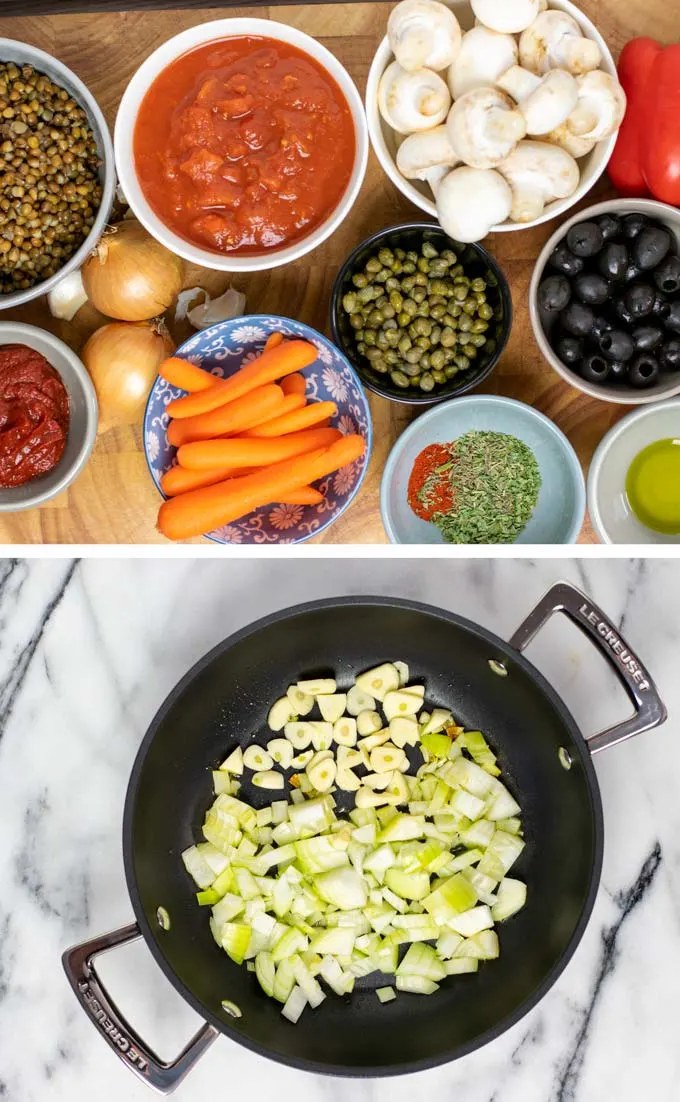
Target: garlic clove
column 281, row 751
column 345, row 731
column 279, row 714
column 268, row 779
column 67, row 297
column 257, row 759
column 302, row 702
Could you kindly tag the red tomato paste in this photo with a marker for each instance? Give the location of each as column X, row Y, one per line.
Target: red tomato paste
column 243, row 145
column 34, row 415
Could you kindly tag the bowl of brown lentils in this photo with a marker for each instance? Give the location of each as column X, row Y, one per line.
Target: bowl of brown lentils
column 420, row 316
column 57, row 176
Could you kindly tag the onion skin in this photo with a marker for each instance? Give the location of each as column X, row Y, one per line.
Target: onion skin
column 123, row 360
column 131, row 276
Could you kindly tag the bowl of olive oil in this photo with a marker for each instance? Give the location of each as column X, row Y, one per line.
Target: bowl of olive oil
column 634, row 479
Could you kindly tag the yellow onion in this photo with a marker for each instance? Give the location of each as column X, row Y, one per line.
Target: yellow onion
column 130, row 275
column 123, row 360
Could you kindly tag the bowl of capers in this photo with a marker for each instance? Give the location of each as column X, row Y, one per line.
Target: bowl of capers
column 420, row 316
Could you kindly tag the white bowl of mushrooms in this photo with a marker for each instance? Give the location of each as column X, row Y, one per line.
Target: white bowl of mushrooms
column 492, row 115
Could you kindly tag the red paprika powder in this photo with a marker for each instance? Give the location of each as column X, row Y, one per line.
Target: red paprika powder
column 429, row 488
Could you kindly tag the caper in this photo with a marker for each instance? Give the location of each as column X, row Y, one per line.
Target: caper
column 464, row 324
column 349, row 302
column 460, row 292
column 427, row 382
column 438, row 375
column 361, row 348
column 424, row 343
column 365, row 294
column 390, row 323
column 373, row 265
column 462, row 363
column 381, row 301
column 360, row 334
column 448, row 321
column 437, row 359
column 396, row 300
column 438, row 287
column 356, row 321
column 420, row 279
column 373, row 354
column 485, row 312
column 412, row 257
column 477, row 340
column 403, row 319
column 479, row 326
column 391, row 357
column 478, row 285
column 436, row 334
column 408, row 267
column 423, row 310
column 409, row 306
column 399, row 379
column 456, row 310
column 404, row 345
column 369, row 336
column 437, row 300
column 429, row 250
column 413, row 356
column 396, row 267
column 392, row 337
column 380, row 366
column 469, row 350
column 449, row 256
column 418, row 295
column 448, row 338
column 425, row 361
column 423, row 327
column 383, row 275
column 437, row 311
column 470, row 306
column 438, row 268
column 408, row 284
column 375, row 317
column 412, row 370
column 385, row 256
column 450, row 371
column 392, row 284
column 388, row 310
column 359, row 280
column 380, row 340
column 399, row 253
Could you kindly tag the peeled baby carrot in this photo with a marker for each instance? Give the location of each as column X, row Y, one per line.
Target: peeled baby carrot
column 294, row 422
column 186, row 375
column 290, row 403
column 179, row 480
column 244, row 413
column 306, row 496
column 273, row 341
column 294, row 384
column 204, row 455
column 275, row 363
column 202, row 510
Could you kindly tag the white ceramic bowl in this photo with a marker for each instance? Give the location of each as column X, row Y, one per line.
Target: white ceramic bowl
column 669, row 384
column 610, row 513
column 127, row 116
column 82, row 421
column 385, row 141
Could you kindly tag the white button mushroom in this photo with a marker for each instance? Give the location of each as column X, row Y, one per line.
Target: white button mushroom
column 538, row 173
column 427, row 156
column 470, row 201
column 546, row 102
column 555, row 41
column 484, row 126
column 412, row 101
column 482, row 57
column 423, row 34
column 600, row 108
column 506, row 16
column 562, row 136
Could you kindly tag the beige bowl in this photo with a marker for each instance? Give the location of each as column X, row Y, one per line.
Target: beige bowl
column 669, row 384
column 385, row 141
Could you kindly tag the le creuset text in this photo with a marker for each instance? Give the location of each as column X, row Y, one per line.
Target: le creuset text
column 627, row 660
column 110, row 1028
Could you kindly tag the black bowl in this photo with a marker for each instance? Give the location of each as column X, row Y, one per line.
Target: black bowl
column 478, row 263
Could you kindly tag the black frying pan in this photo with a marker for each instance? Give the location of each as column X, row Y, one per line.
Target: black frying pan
column 489, row 686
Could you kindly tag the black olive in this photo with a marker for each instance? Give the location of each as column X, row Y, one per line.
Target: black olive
column 569, row 349
column 577, row 319
column 667, row 275
column 591, row 288
column 632, row 272
column 669, row 356
column 672, row 319
column 617, row 369
column 601, row 325
column 639, row 299
column 613, row 260
column 644, row 370
column 585, row 239
column 554, row 293
column 564, row 261
column 594, row 368
column 610, row 225
column 621, row 312
column 633, row 224
column 651, row 246
column 661, row 308
column 647, row 337
column 616, row 345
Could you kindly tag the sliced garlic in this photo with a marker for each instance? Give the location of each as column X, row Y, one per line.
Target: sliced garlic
column 402, row 670
column 401, row 703
column 268, row 779
column 256, row 758
column 387, row 758
column 322, row 734
column 280, row 713
column 234, row 763
column 302, row 702
column 359, row 701
column 299, row 734
column 347, row 780
column 415, row 690
column 300, row 761
column 332, row 707
column 348, row 758
column 365, row 797
column 376, row 781
column 368, row 722
column 321, row 686
column 322, row 774
column 398, row 788
column 379, row 681
column 281, row 750
column 404, row 731
column 371, row 741
column 439, row 719
column 423, row 718
column 345, row 731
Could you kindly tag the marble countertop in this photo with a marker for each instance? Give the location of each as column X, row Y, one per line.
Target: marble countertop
column 88, row 650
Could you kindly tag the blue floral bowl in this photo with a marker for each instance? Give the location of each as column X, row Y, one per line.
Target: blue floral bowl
column 222, row 350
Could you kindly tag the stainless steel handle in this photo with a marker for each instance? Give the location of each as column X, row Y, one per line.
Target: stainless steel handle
column 650, row 710
column 79, row 967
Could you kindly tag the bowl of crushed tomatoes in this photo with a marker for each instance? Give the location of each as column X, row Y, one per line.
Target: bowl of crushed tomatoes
column 241, row 144
column 48, row 416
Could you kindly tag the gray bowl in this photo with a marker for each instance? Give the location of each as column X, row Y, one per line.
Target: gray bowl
column 83, row 417
column 23, row 54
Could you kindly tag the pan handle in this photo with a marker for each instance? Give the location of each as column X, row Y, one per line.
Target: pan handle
column 650, row 710
column 79, row 967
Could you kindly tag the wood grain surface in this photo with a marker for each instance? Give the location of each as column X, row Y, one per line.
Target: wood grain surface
column 114, row 499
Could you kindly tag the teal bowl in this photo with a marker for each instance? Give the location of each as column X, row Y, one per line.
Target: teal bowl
column 558, row 516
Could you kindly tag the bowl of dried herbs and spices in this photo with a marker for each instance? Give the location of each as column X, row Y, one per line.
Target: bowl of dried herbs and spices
column 482, row 470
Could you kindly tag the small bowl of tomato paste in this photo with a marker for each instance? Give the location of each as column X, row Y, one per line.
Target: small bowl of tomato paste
column 48, row 416
column 241, row 144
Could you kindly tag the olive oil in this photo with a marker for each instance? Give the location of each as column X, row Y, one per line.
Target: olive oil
column 653, row 486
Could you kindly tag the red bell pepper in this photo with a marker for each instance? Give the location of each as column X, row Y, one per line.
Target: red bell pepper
column 646, row 158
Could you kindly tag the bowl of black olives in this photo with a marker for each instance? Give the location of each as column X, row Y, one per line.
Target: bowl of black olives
column 604, row 301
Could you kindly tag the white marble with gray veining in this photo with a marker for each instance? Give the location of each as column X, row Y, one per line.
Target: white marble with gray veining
column 88, row 651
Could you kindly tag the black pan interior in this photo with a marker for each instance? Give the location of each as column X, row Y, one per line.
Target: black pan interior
column 225, row 699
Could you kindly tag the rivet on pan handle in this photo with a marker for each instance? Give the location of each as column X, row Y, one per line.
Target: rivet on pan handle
column 650, row 710
column 79, row 967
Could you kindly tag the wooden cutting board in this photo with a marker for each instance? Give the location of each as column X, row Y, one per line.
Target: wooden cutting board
column 114, row 499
